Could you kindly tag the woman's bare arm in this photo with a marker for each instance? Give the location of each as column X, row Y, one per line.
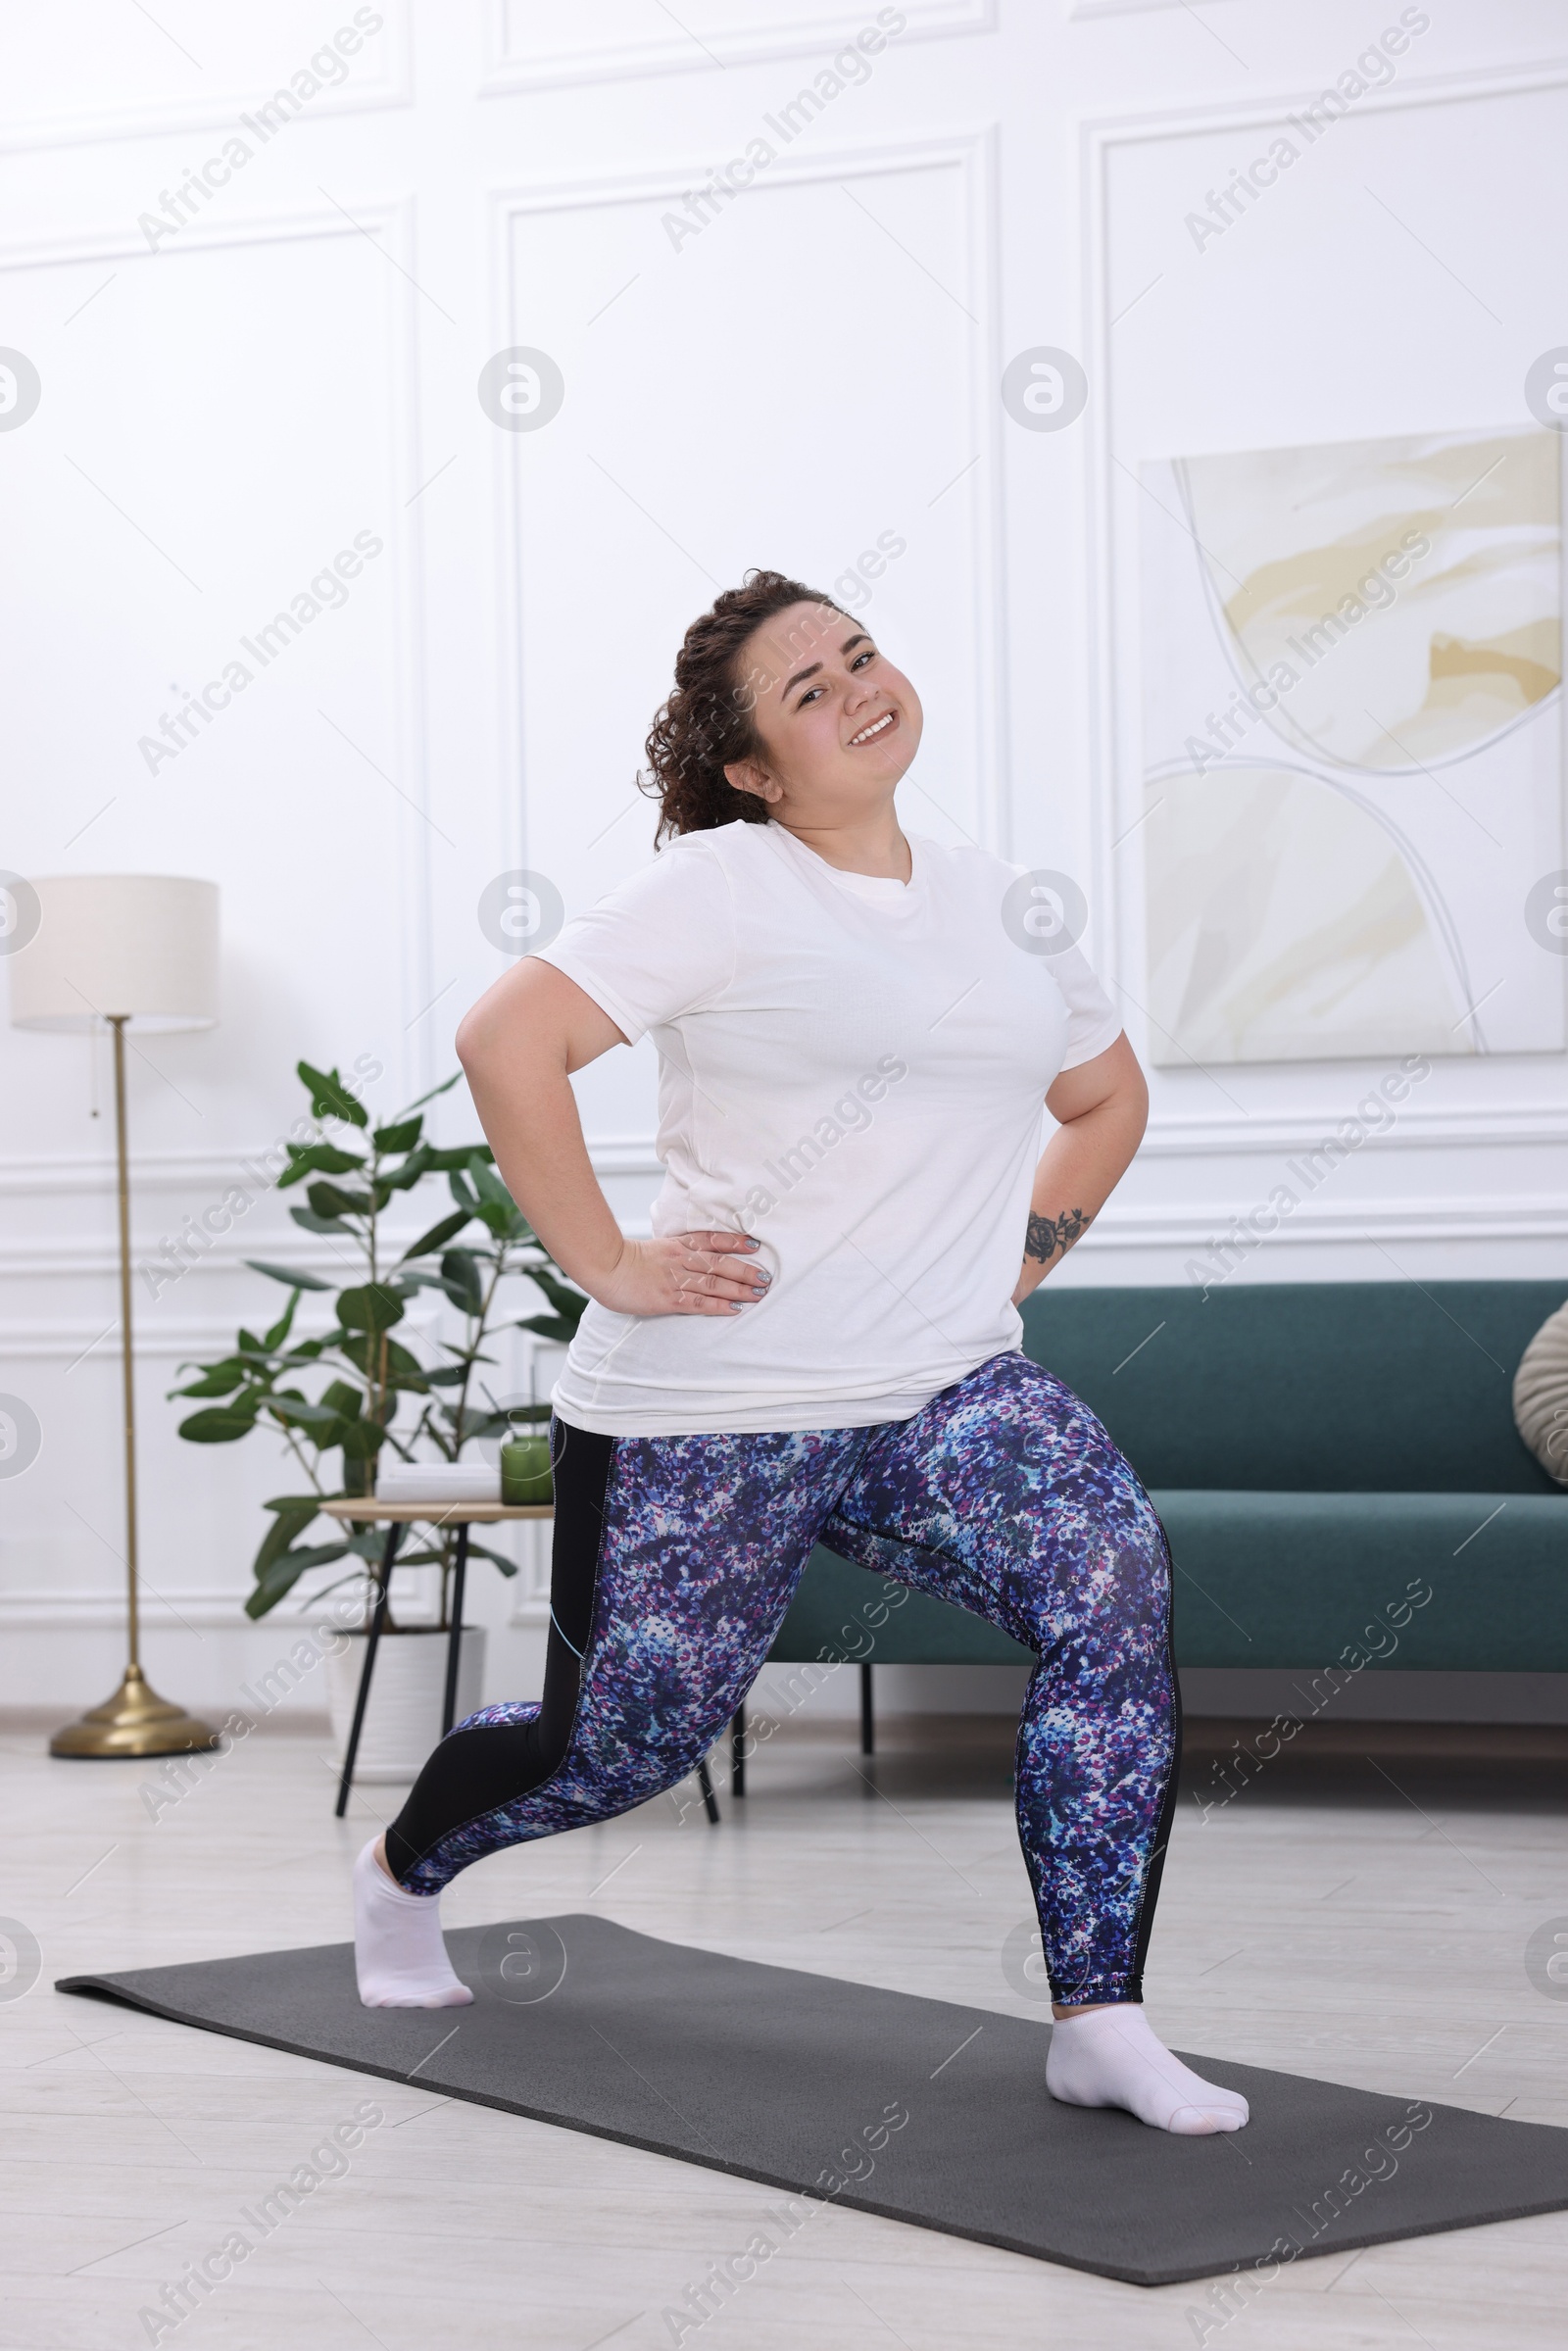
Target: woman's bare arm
column 518, row 1048
column 1101, row 1108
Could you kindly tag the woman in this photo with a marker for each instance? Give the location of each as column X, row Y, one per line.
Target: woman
column 856, row 1035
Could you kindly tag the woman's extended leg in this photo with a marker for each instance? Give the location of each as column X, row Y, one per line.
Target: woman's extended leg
column 1005, row 1495
column 675, row 1558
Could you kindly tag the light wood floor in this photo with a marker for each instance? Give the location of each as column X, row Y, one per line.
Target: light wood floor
column 1332, row 1921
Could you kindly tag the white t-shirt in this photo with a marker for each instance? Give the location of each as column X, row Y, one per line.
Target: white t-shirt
column 854, row 1070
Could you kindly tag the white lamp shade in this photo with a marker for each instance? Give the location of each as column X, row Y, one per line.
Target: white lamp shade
column 142, row 945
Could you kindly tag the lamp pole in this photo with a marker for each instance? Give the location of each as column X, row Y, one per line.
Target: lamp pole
column 136, row 1721
column 127, row 1372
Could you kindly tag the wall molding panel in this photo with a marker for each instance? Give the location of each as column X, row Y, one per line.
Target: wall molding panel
column 389, row 225
column 970, row 155
column 1459, row 1126
column 1316, row 1224
column 174, row 116
column 180, row 1172
column 511, row 68
column 1083, row 9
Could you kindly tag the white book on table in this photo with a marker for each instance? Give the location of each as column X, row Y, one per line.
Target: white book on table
column 439, row 1482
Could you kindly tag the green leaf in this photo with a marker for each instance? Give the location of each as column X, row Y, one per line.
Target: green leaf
column 285, row 1571
column 330, row 1098
column 358, row 1479
column 370, row 1545
column 405, row 1370
column 489, row 1185
column 461, row 1276
column 362, row 1440
column 375, row 1307
column 290, row 1275
column 445, row 1087
column 551, row 1326
column 291, row 1520
column 297, row 1412
column 280, row 1329
column 438, row 1237
column 567, row 1302
column 461, row 1155
column 362, row 1349
column 479, row 1551
column 318, row 1159
column 450, row 1375
column 266, row 1595
column 413, row 1278
column 330, row 1199
column 318, row 1554
column 309, row 1222
column 221, row 1379
column 422, row 1278
column 530, row 1412
column 415, row 1167
column 220, row 1426
column 481, row 1425
column 399, row 1138
column 345, row 1400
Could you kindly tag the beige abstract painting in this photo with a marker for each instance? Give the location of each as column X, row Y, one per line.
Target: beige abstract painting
column 1354, row 773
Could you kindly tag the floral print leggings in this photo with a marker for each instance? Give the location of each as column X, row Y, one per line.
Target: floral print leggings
column 677, row 1556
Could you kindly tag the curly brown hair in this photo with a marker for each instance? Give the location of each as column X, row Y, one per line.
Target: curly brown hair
column 708, row 721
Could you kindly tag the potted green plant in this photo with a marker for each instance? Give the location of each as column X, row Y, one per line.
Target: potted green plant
column 377, row 1391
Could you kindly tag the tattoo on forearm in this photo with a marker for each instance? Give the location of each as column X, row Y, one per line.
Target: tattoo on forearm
column 1049, row 1234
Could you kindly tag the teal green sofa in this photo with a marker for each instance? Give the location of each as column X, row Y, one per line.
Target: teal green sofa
column 1317, row 1451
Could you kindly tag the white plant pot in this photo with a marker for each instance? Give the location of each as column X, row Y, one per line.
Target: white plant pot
column 403, row 1720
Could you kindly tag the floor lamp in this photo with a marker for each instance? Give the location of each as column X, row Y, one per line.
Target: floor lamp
column 133, row 951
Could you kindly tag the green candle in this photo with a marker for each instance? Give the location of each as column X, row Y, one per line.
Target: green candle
column 525, row 1470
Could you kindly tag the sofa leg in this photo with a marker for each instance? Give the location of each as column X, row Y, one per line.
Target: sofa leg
column 709, row 1801
column 868, row 1721
column 737, row 1751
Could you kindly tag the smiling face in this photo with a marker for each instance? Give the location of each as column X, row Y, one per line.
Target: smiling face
column 836, row 723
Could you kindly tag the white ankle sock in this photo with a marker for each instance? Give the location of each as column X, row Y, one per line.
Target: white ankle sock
column 1113, row 2057
column 399, row 1956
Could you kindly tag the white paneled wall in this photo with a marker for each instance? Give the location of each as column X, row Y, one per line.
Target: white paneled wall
column 260, row 320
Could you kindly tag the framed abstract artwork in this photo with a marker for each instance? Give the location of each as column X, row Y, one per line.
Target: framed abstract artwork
column 1352, row 733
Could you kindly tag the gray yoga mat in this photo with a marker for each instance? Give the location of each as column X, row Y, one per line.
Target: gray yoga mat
column 916, row 2109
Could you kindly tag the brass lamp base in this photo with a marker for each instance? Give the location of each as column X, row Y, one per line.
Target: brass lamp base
column 136, row 1721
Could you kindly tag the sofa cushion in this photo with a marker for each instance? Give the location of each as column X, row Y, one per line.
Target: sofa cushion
column 842, row 1613
column 1327, row 1387
column 1308, row 1581
column 1300, row 1578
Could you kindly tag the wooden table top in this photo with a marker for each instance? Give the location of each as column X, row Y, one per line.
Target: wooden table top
column 447, row 1515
